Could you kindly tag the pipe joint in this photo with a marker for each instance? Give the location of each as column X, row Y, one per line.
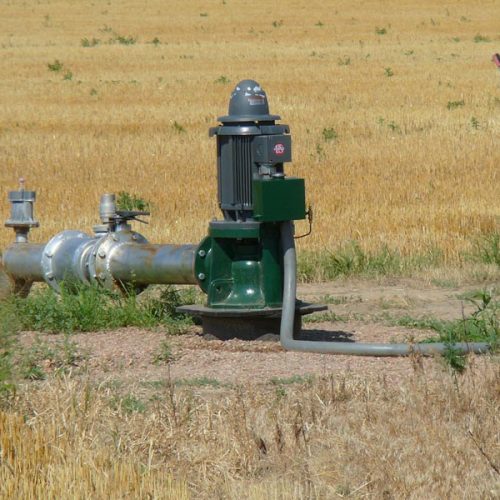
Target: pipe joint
column 58, row 261
column 98, row 258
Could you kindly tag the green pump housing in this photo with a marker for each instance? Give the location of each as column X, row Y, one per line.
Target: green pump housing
column 239, row 264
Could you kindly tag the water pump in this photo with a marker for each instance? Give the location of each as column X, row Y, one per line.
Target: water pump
column 239, row 265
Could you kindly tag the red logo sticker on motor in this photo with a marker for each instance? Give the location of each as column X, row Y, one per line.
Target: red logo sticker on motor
column 279, row 149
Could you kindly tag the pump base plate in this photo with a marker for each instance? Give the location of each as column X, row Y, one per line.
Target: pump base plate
column 246, row 324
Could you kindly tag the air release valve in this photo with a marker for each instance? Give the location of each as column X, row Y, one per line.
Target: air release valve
column 21, row 215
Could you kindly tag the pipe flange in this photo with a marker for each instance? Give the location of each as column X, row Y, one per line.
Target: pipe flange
column 99, row 258
column 50, row 250
column 81, row 260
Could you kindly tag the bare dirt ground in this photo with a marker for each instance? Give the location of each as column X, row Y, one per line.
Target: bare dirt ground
column 130, row 356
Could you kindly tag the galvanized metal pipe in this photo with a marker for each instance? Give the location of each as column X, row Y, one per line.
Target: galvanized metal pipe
column 153, row 264
column 114, row 258
column 23, row 261
column 352, row 348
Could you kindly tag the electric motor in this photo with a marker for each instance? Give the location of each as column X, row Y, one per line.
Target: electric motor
column 250, row 145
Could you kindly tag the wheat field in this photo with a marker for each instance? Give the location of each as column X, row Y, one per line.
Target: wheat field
column 393, row 106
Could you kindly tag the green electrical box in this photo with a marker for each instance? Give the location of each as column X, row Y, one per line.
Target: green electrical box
column 279, row 199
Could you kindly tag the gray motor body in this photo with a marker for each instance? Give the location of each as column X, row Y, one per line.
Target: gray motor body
column 249, row 145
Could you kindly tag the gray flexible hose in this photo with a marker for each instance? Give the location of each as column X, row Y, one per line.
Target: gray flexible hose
column 288, row 314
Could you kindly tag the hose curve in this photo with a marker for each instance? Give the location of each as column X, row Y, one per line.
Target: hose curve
column 349, row 348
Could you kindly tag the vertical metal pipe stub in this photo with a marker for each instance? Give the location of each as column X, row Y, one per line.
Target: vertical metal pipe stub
column 107, row 207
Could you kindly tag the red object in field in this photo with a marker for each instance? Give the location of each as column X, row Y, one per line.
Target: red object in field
column 496, row 60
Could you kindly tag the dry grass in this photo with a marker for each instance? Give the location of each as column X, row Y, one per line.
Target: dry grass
column 433, row 435
column 55, row 459
column 404, row 170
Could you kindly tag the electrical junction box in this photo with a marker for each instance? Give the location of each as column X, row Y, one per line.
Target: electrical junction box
column 272, row 149
column 279, row 199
